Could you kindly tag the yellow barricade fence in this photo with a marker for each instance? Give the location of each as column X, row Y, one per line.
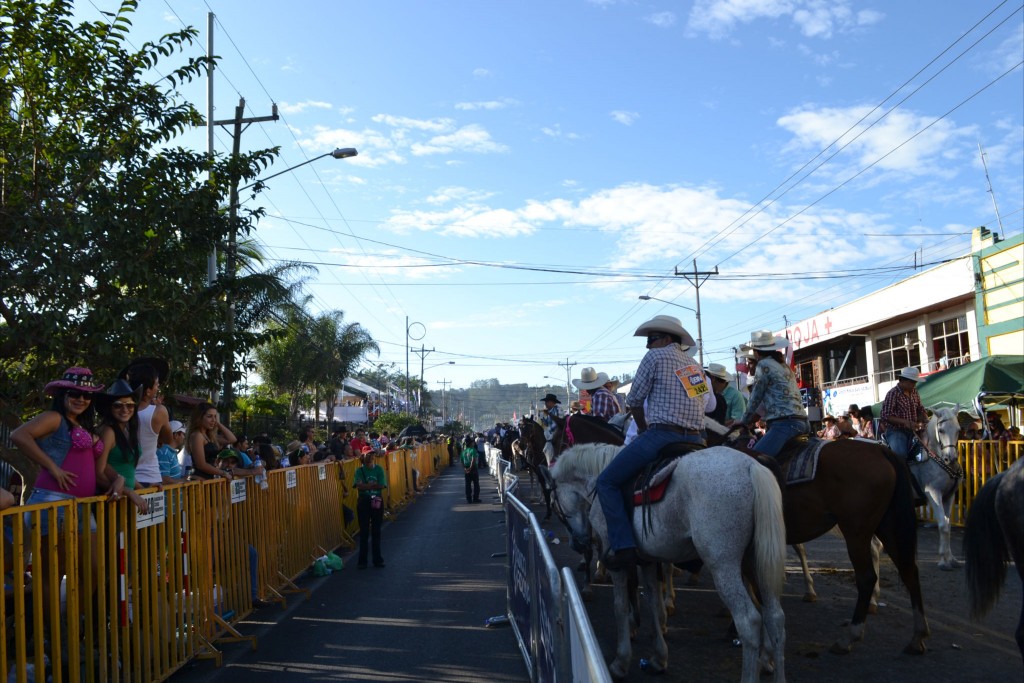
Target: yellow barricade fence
column 95, row 591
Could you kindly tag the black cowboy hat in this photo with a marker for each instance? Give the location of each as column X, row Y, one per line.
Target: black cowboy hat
column 158, row 364
column 551, row 397
column 412, row 430
column 119, row 389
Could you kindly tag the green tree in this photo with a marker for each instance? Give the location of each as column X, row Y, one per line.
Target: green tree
column 106, row 222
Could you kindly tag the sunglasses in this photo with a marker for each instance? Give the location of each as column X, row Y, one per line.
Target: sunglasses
column 651, row 338
column 75, row 393
column 121, row 405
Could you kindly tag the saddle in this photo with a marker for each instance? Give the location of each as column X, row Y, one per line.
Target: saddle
column 649, row 486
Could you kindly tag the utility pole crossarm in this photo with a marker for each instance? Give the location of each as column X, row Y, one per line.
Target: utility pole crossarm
column 698, row 279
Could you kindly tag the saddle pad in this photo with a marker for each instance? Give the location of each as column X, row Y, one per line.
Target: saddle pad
column 804, row 465
column 656, row 486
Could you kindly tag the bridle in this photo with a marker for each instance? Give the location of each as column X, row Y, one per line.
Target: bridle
column 950, row 465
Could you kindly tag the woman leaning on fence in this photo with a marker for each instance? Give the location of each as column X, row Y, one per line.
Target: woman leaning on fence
column 207, row 436
column 61, row 441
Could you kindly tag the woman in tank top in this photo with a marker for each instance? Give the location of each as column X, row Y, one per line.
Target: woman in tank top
column 120, row 436
column 206, row 437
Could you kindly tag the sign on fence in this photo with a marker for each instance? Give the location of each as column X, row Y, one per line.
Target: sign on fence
column 291, row 479
column 156, row 511
column 238, row 490
column 321, row 472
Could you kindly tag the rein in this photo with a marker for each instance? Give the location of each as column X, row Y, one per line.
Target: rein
column 955, row 470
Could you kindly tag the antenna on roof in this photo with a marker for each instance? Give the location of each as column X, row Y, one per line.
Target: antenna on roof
column 988, row 180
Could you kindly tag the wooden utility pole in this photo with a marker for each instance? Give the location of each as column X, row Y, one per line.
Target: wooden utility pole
column 697, row 278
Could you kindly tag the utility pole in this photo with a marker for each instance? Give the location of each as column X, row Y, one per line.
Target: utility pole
column 444, row 407
column 698, row 278
column 568, row 376
column 419, row 396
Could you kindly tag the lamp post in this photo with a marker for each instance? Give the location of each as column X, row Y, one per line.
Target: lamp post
column 229, row 393
column 419, row 397
column 700, row 336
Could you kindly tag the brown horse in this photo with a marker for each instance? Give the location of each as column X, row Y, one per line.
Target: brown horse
column 531, row 441
column 865, row 489
column 576, row 429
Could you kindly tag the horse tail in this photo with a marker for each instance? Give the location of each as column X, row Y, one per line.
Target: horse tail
column 769, row 530
column 899, row 515
column 985, row 552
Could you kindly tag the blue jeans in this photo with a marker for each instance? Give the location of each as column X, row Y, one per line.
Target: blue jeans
column 779, row 432
column 898, row 440
column 622, row 470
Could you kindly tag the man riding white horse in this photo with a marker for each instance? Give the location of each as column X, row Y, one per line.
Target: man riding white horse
column 677, row 394
column 902, row 413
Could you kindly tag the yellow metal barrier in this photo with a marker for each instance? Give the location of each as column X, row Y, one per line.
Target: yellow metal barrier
column 144, row 594
column 981, row 460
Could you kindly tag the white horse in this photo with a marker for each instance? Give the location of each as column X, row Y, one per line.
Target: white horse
column 720, row 506
column 939, row 473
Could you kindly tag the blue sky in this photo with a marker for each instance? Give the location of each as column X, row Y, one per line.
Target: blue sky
column 527, row 169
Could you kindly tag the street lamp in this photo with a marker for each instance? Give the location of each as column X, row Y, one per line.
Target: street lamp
column 339, row 153
column 233, row 202
column 419, row 397
column 700, row 336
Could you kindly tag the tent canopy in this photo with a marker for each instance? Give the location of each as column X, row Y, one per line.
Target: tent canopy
column 994, row 381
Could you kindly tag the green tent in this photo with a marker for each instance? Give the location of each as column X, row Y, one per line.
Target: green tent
column 991, row 381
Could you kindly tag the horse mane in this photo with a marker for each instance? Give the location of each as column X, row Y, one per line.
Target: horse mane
column 586, row 459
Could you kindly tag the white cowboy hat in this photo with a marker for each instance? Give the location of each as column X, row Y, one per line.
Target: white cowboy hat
column 913, row 374
column 764, row 340
column 590, row 379
column 718, row 370
column 667, row 324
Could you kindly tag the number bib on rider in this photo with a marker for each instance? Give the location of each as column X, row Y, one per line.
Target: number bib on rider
column 692, row 379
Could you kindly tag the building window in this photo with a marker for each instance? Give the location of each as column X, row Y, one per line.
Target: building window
column 949, row 343
column 897, row 352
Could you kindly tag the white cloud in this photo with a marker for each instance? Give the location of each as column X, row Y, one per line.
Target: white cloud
column 444, row 195
column 481, row 72
column 471, row 138
column 813, row 129
column 299, row 107
column 387, row 263
column 404, row 122
column 555, row 131
column 661, row 19
column 489, row 105
column 626, row 118
column 813, row 18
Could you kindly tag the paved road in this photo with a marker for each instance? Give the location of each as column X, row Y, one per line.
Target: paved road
column 419, row 619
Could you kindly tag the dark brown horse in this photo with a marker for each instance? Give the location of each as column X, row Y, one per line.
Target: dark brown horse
column 531, row 441
column 865, row 489
column 576, row 429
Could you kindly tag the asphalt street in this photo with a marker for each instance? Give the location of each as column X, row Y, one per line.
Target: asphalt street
column 420, row 618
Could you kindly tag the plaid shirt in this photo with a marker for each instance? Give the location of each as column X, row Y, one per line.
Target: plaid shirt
column 900, row 405
column 667, row 399
column 603, row 404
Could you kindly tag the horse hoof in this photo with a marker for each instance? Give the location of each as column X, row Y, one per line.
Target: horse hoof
column 915, row 649
column 840, row 649
column 670, row 610
column 810, row 597
column 873, row 608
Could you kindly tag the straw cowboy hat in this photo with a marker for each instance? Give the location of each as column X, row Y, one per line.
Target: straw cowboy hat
column 613, row 384
column 764, row 340
column 718, row 370
column 913, row 374
column 74, row 378
column 667, row 324
column 590, row 379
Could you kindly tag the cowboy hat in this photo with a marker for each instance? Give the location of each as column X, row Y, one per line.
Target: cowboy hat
column 177, row 426
column 119, row 389
column 764, row 340
column 669, row 325
column 551, row 397
column 590, row 379
column 613, row 384
column 718, row 370
column 913, row 374
column 74, row 378
column 158, row 364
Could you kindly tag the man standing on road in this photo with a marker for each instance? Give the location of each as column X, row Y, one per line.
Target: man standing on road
column 677, row 394
column 469, row 465
column 902, row 412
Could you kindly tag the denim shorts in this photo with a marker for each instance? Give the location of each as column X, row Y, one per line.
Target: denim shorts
column 46, row 496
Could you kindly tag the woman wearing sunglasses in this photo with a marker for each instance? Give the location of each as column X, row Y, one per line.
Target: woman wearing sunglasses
column 115, row 469
column 61, row 441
